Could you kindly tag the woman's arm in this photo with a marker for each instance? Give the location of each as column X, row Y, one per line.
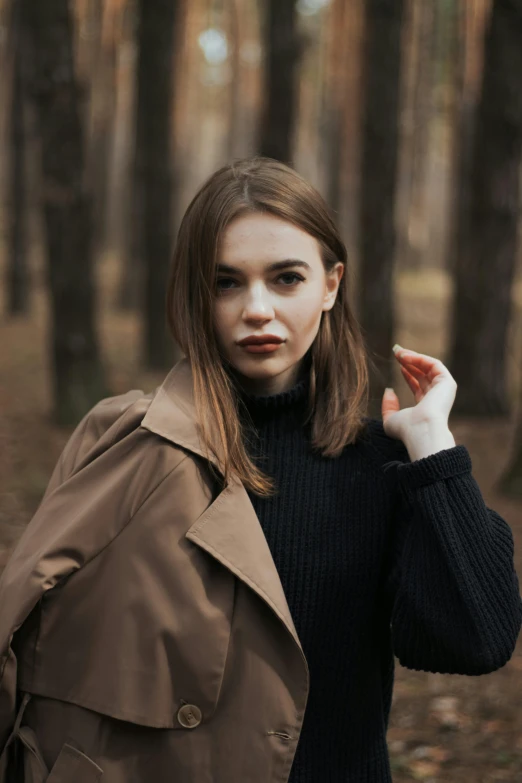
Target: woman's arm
column 54, row 542
column 455, row 602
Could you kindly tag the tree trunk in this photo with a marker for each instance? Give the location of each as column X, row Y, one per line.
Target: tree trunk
column 156, row 36
column 416, row 141
column 102, row 119
column 282, row 49
column 190, row 95
column 377, row 236
column 335, row 97
column 486, row 266
column 467, row 61
column 17, row 278
column 342, row 120
column 235, row 32
column 510, row 482
column 78, row 375
column 127, row 212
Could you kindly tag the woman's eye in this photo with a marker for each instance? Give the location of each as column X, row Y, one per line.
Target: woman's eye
column 294, row 280
column 294, row 275
column 223, row 280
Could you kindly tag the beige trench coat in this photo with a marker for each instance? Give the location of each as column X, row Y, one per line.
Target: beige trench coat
column 143, row 614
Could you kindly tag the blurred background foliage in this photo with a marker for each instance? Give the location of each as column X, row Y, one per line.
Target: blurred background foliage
column 405, row 114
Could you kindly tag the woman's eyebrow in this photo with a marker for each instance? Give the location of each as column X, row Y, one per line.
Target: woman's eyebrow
column 270, row 268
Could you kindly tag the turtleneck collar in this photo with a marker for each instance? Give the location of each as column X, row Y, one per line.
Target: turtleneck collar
column 290, row 404
column 260, row 405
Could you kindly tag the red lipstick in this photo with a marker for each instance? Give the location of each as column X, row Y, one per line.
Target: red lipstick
column 261, row 343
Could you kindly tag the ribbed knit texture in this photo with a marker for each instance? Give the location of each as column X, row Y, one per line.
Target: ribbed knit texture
column 365, row 540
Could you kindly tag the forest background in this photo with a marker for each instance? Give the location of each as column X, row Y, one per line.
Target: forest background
column 405, row 114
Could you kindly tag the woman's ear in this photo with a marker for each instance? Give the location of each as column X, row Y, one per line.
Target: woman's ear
column 333, row 280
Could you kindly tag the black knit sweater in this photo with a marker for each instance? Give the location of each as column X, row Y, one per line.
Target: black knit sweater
column 377, row 556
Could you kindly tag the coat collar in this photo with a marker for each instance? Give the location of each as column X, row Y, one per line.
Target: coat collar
column 172, row 412
column 229, row 529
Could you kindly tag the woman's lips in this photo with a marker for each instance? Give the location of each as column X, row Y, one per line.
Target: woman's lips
column 261, row 347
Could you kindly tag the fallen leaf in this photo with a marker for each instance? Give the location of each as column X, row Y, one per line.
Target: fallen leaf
column 421, row 770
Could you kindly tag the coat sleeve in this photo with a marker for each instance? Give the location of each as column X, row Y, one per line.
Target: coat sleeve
column 46, row 549
column 453, row 590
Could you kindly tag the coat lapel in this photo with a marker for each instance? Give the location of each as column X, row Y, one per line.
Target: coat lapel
column 229, row 529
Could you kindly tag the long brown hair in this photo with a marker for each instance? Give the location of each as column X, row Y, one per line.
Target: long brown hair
column 339, row 382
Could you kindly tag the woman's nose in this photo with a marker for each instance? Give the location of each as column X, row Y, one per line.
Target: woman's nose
column 258, row 304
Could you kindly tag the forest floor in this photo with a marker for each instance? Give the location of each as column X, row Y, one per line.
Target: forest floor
column 443, row 728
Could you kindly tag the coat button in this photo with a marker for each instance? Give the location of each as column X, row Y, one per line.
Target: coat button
column 189, row 716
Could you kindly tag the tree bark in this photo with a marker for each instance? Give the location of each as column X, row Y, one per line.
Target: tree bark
column 235, row 31
column 17, row 277
column 335, row 99
column 377, row 234
column 127, row 212
column 416, row 141
column 78, row 374
column 155, row 83
column 282, row 47
column 470, row 19
column 510, row 482
column 102, row 120
column 342, row 114
column 486, row 265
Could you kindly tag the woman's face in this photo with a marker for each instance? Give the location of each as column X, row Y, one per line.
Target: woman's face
column 254, row 297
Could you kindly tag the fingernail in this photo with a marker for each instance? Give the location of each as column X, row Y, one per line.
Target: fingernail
column 397, row 347
column 389, row 390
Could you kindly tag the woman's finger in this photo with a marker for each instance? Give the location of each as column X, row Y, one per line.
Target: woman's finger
column 416, row 371
column 420, row 376
column 412, row 382
column 410, row 352
column 430, row 366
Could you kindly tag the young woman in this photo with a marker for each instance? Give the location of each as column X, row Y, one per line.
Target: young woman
column 221, row 571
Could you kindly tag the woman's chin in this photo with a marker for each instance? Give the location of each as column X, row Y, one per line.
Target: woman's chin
column 256, row 369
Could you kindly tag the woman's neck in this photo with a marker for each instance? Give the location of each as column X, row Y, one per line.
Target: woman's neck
column 270, row 386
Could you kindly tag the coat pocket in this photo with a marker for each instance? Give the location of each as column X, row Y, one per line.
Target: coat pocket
column 73, row 766
column 22, row 761
column 28, row 766
column 28, row 758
